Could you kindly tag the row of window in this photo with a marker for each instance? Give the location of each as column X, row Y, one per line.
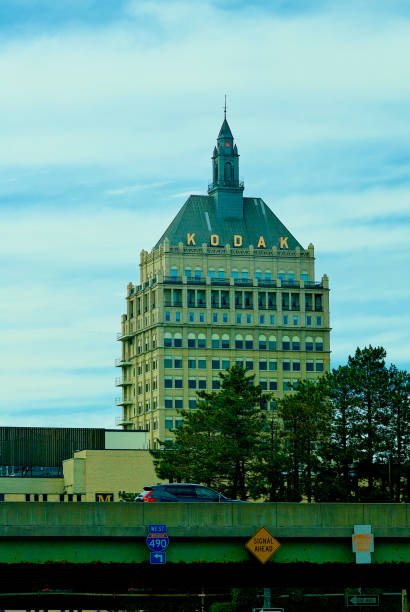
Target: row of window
column 248, row 319
column 43, row 497
column 176, row 382
column 236, row 274
column 263, row 364
column 240, row 342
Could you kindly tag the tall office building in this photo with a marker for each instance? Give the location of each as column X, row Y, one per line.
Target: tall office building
column 226, row 283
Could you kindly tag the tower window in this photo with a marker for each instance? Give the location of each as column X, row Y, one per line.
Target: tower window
column 228, row 172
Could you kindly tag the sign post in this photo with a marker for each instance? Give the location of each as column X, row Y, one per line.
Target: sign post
column 363, row 543
column 263, row 545
column 362, row 600
column 157, row 541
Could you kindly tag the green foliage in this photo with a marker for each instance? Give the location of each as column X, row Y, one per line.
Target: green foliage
column 217, row 443
column 221, row 606
column 344, row 437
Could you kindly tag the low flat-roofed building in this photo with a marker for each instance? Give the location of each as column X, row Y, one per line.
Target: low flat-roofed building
column 72, row 464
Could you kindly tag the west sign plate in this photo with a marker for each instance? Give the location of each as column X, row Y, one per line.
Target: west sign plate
column 262, row 544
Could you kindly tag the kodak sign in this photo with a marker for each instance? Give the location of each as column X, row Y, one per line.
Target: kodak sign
column 237, row 241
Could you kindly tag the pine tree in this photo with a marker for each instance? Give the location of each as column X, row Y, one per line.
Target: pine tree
column 217, row 443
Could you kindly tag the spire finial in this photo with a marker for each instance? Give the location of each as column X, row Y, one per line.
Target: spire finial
column 225, row 108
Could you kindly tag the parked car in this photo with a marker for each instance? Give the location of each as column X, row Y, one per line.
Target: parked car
column 181, row 492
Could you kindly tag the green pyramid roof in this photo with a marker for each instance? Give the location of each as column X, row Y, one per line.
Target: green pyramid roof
column 198, row 215
column 225, row 131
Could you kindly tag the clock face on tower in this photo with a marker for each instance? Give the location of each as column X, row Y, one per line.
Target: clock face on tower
column 227, row 144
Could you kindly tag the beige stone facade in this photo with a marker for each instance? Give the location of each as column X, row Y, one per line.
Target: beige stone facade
column 200, row 309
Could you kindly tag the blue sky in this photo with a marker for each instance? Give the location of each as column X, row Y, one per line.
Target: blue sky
column 110, row 111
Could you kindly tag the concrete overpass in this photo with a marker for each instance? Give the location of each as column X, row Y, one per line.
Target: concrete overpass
column 101, row 546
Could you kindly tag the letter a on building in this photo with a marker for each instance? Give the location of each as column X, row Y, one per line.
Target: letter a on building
column 263, row 545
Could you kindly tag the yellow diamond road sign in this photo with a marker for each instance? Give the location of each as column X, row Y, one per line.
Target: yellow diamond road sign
column 262, row 544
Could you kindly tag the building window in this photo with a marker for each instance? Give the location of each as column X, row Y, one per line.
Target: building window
column 202, row 383
column 249, row 365
column 286, row 365
column 263, row 364
column 319, row 321
column 291, row 277
column 28, row 497
column 304, row 277
column 225, row 317
column 167, row 315
column 191, row 317
column 309, row 366
column 178, row 362
column 211, row 273
column 239, row 362
column 167, row 362
column 177, row 340
column 167, row 340
column 168, row 382
column 177, row 316
column 281, row 275
column 174, row 272
column 238, row 342
column 179, row 403
column 192, row 383
column 188, row 272
column 202, row 364
column 272, row 319
column 248, row 342
column 215, row 341
column 244, row 274
column 198, row 273
column 295, row 320
column 273, row 385
column 262, row 343
column 309, row 344
column 285, row 319
column 249, row 319
column 295, row 343
column 272, row 343
column 319, row 366
column 286, row 385
column 216, row 364
column 225, row 364
column 178, row 422
column 268, row 275
column 264, row 384
column 191, row 364
column 225, row 341
column 261, row 319
column 178, row 382
column 319, row 344
column 308, row 320
column 258, row 274
column 235, row 274
column 191, row 340
column 214, row 317
column 273, row 365
column 285, row 343
column 201, row 341
column 221, row 274
column 238, row 319
column 296, row 365
column 192, row 403
column 216, row 383
column 169, row 423
column 201, row 317
column 168, row 402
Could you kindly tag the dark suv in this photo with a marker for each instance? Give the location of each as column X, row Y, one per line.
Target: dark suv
column 180, row 492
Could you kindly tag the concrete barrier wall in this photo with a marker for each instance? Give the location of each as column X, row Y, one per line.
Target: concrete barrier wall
column 184, row 520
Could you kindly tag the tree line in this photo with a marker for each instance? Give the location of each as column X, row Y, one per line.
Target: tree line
column 344, row 437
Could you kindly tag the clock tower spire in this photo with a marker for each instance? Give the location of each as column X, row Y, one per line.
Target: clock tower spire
column 226, row 187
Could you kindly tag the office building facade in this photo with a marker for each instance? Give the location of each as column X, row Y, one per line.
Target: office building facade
column 226, row 283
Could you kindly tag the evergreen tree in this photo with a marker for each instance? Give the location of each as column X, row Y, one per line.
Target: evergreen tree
column 306, row 417
column 370, row 386
column 217, row 443
column 398, row 432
